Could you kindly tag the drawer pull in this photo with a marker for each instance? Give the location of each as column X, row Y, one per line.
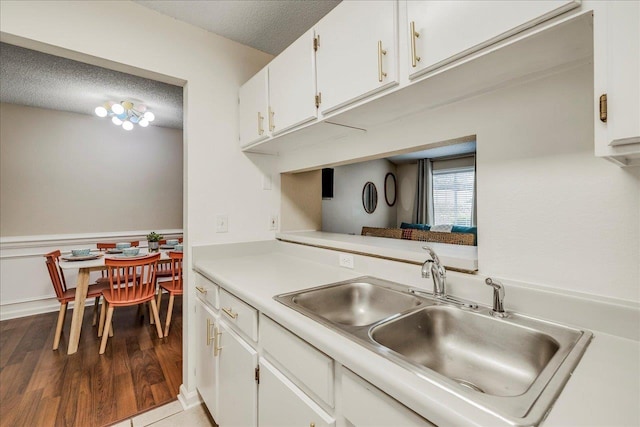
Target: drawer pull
column 229, row 312
column 312, row 424
column 201, row 290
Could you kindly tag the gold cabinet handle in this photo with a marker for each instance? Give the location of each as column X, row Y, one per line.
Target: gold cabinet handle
column 216, row 342
column 209, row 338
column 229, row 312
column 272, row 125
column 201, row 290
column 381, row 52
column 260, row 128
column 312, row 424
column 414, row 35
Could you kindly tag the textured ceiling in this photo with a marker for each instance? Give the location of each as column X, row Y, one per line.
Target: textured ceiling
column 267, row 25
column 36, row 79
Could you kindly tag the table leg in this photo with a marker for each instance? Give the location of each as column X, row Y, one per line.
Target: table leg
column 78, row 310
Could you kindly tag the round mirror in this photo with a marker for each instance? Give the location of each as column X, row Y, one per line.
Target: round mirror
column 390, row 189
column 369, row 197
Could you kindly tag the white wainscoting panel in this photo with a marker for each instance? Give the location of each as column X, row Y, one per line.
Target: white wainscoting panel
column 25, row 286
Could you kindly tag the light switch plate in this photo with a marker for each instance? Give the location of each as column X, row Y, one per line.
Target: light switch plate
column 222, row 224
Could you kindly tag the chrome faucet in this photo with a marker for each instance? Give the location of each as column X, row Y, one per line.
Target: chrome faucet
column 498, row 297
column 433, row 268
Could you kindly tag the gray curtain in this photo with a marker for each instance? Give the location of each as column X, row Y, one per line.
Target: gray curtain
column 424, row 204
column 474, row 209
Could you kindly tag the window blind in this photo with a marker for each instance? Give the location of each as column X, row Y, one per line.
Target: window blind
column 453, row 196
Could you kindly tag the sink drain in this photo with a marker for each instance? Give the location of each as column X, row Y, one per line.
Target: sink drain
column 468, row 384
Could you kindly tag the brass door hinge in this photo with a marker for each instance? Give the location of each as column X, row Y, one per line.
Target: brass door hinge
column 603, row 108
column 318, row 99
column 316, row 43
column 258, row 375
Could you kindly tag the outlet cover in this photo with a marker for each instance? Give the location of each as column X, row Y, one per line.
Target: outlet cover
column 346, row 260
column 222, row 224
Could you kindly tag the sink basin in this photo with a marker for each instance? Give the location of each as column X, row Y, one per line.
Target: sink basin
column 513, row 367
column 354, row 303
column 479, row 352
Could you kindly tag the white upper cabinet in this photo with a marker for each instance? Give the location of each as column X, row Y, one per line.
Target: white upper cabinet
column 292, row 86
column 617, row 75
column 442, row 31
column 254, row 109
column 357, row 54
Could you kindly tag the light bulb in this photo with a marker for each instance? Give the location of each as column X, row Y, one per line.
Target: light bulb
column 101, row 112
column 140, row 108
column 127, row 105
column 149, row 116
column 134, row 119
column 127, row 125
column 117, row 108
column 143, row 122
column 116, row 121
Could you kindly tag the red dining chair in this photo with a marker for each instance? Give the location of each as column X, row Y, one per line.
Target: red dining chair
column 65, row 295
column 173, row 287
column 105, row 246
column 164, row 270
column 131, row 282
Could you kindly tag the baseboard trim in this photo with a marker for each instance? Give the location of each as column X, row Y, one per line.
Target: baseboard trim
column 188, row 399
column 16, row 310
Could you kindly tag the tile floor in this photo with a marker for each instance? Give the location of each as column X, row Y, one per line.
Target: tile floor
column 170, row 415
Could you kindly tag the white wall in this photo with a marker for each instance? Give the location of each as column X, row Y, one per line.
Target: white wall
column 66, row 173
column 549, row 211
column 344, row 213
column 219, row 178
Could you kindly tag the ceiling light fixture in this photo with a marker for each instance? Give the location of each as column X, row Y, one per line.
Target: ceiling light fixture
column 126, row 114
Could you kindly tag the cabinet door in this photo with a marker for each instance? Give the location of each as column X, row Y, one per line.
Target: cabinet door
column 207, row 363
column 623, row 73
column 238, row 388
column 292, row 85
column 350, row 62
column 446, row 30
column 253, row 109
column 283, row 404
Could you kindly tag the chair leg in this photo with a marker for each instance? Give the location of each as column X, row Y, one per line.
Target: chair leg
column 105, row 336
column 103, row 312
column 96, row 302
column 59, row 325
column 159, row 301
column 154, row 308
column 169, row 313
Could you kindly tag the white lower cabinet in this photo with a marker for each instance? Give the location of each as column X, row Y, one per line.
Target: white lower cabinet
column 283, row 404
column 238, row 388
column 207, row 362
column 365, row 405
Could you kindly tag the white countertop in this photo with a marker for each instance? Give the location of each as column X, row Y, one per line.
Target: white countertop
column 604, row 389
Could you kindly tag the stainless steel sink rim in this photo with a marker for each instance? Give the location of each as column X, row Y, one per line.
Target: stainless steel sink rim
column 528, row 408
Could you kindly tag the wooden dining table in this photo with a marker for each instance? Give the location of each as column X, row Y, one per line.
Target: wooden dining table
column 82, row 286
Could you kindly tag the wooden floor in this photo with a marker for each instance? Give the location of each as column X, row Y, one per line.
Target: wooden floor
column 41, row 387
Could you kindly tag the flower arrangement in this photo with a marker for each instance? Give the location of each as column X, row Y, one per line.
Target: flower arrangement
column 153, row 237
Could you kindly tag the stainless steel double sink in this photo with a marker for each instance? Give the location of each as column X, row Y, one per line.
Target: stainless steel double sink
column 513, row 367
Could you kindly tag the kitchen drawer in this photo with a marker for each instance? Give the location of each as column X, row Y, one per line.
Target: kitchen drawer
column 207, row 291
column 239, row 314
column 365, row 405
column 305, row 365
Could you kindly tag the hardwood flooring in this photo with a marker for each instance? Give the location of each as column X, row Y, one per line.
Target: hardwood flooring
column 42, row 387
